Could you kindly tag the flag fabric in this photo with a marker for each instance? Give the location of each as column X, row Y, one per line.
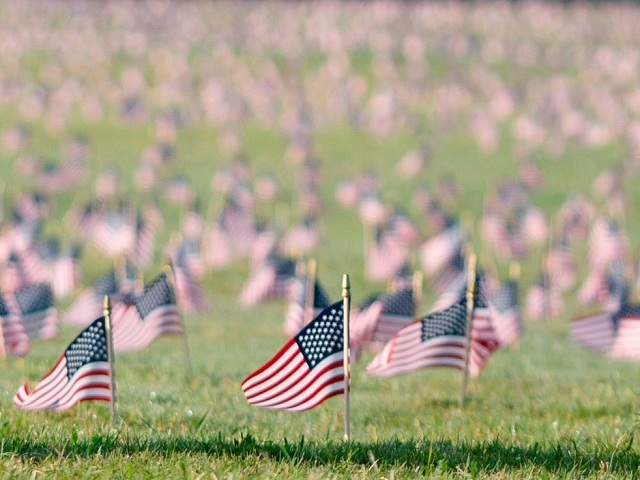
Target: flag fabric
column 296, row 315
column 146, row 317
column 484, row 339
column 270, row 281
column 437, row 340
column 626, row 345
column 34, row 307
column 65, row 272
column 308, row 370
column 381, row 320
column 82, row 373
column 594, row 332
column 89, row 303
column 440, row 250
column 190, row 294
column 387, row 253
column 15, row 340
column 505, row 313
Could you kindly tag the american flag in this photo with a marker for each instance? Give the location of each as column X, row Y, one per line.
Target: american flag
column 89, row 304
column 484, row 338
column 297, row 316
column 626, row 344
column 381, row 320
column 595, row 331
column 144, row 242
column 505, row 313
column 386, row 255
column 14, row 337
column 308, row 370
column 82, row 373
column 148, row 316
column 437, row 340
column 239, row 224
column 268, row 282
column 190, row 294
column 302, row 239
column 34, row 306
column 439, row 250
column 217, row 248
column 65, row 272
column 114, row 232
column 450, row 279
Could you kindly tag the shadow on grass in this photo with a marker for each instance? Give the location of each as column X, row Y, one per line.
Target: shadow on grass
column 416, row 456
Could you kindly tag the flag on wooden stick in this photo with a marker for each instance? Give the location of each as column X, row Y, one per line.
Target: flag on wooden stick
column 82, row 373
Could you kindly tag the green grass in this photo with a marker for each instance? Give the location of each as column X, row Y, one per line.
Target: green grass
column 545, row 409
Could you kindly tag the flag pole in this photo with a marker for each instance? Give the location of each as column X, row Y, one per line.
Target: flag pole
column 514, row 271
column 106, row 309
column 185, row 345
column 471, row 286
column 310, row 286
column 346, row 307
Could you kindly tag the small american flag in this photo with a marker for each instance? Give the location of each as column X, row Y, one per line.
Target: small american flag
column 437, row 340
column 440, row 249
column 270, row 281
column 33, row 305
column 148, row 316
column 505, row 313
column 190, row 294
column 89, row 304
column 297, row 316
column 82, row 373
column 14, row 337
column 627, row 341
column 381, row 320
column 594, row 332
column 308, row 370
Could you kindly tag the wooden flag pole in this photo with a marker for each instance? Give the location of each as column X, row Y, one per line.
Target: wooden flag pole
column 310, row 286
column 346, row 307
column 185, row 345
column 106, row 310
column 514, row 271
column 417, row 291
column 471, row 286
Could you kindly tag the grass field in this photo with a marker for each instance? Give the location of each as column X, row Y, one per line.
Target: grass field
column 543, row 409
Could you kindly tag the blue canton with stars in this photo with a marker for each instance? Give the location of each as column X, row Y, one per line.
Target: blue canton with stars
column 323, row 336
column 4, row 310
column 157, row 294
column 400, row 303
column 88, row 347
column 34, row 298
column 450, row 321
